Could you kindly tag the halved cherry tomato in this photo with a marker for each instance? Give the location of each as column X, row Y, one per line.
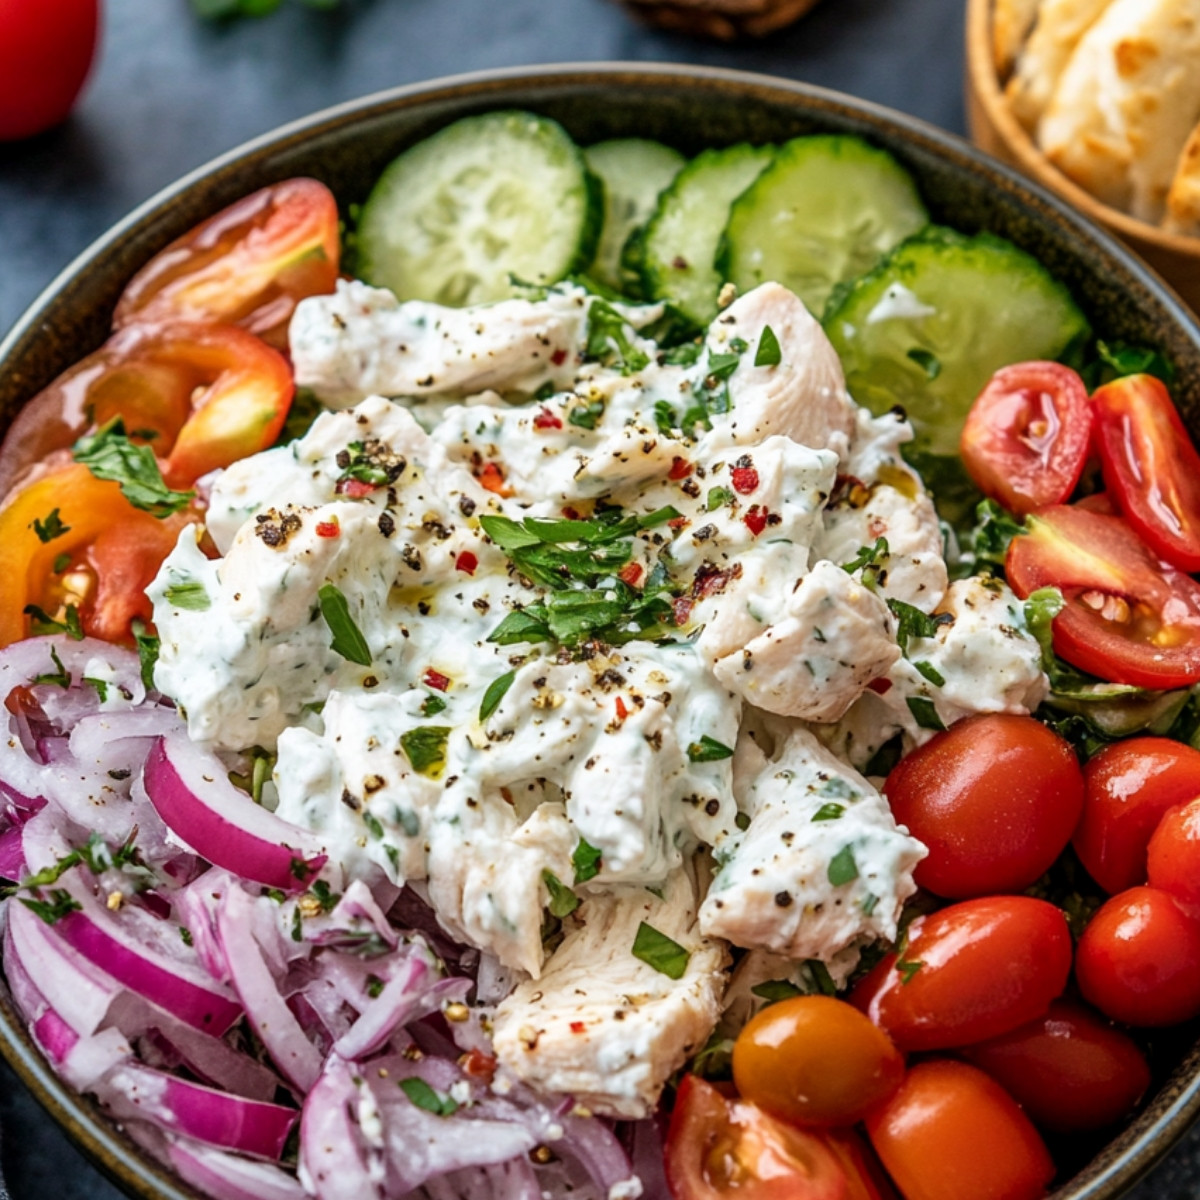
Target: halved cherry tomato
column 969, row 972
column 952, row 1133
column 1127, row 789
column 815, row 1060
column 1150, row 466
column 249, row 265
column 1173, row 856
column 719, row 1149
column 202, row 396
column 1129, row 618
column 1026, row 439
column 994, row 797
column 1069, row 1070
column 1139, row 959
column 108, row 552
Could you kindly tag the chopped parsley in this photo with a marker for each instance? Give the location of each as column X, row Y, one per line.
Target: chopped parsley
column 110, row 455
column 188, row 594
column 930, row 672
column 829, row 812
column 718, row 497
column 51, row 528
column 425, row 747
column 662, row 953
column 370, row 462
column 586, row 861
column 911, row 622
column 52, row 909
column 906, row 969
column 820, row 976
column 496, row 691
column 40, row 622
column 842, row 867
column 608, row 342
column 147, row 647
column 348, row 640
column 586, row 414
column 768, row 353
column 774, row 990
column 708, row 749
column 432, row 705
column 424, row 1096
column 927, row 361
column 563, row 901
column 925, row 713
column 60, row 678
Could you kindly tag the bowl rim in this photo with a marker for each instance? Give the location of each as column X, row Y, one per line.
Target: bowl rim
column 116, row 1154
column 984, row 80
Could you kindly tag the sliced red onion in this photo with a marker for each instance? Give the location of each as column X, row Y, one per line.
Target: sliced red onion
column 396, row 1004
column 190, row 790
column 226, row 1177
column 514, row 1180
column 12, row 854
column 266, row 1009
column 335, row 1160
column 354, row 914
column 135, row 1092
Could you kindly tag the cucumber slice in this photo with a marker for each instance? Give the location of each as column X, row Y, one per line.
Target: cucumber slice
column 679, row 248
column 486, row 200
column 927, row 328
column 634, row 172
column 826, row 210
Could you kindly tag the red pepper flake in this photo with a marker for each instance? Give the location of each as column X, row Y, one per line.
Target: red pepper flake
column 710, row 580
column 436, row 680
column 478, row 1065
column 744, row 478
column 622, row 711
column 631, row 574
column 356, row 489
column 756, row 519
column 678, row 523
column 559, row 357
column 880, row 686
column 680, row 468
column 466, row 561
column 491, row 477
column 545, row 419
column 328, row 529
column 578, row 1027
column 572, row 514
column 682, row 607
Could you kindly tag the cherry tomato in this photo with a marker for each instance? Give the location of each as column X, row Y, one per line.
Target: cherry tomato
column 249, row 265
column 969, row 972
column 46, row 51
column 994, row 797
column 1173, row 857
column 1127, row 789
column 816, row 1061
column 1069, row 1070
column 202, row 395
column 1128, row 618
column 718, row 1149
column 1026, row 439
column 1150, row 466
column 952, row 1133
column 1139, row 959
column 101, row 562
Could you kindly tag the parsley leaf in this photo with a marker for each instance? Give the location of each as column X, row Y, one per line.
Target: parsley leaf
column 930, row 672
column 189, row 595
column 348, row 640
column 432, row 705
column 51, row 528
column 61, row 677
column 664, row 417
column 925, row 713
column 994, row 528
column 110, row 455
column 708, row 749
column 563, row 901
column 496, row 691
column 842, row 867
column 768, row 353
column 42, row 623
column 927, row 361
column 424, row 1096
column 60, row 903
column 425, row 747
column 718, row 497
column 609, row 343
column 662, row 953
column 147, row 646
column 913, row 623
column 829, row 812
column 772, row 990
column 586, row 861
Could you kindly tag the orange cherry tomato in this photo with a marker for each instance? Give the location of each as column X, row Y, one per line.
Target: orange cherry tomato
column 202, row 396
column 248, row 265
column 995, row 798
column 106, row 555
column 1127, row 789
column 719, row 1149
column 952, row 1133
column 1173, row 857
column 1026, row 438
column 1150, row 466
column 1129, row 618
column 1139, row 959
column 969, row 972
column 1069, row 1070
column 815, row 1060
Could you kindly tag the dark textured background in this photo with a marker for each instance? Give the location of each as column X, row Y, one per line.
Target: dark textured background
column 171, row 91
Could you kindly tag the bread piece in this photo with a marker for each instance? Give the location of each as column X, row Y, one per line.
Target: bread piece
column 1060, row 24
column 1183, row 200
column 1126, row 102
column 1011, row 22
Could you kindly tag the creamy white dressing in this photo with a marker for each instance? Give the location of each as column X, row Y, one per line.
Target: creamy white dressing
column 772, row 645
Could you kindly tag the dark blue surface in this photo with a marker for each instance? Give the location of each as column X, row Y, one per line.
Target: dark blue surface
column 171, row 91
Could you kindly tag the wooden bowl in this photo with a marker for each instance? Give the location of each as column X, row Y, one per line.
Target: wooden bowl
column 996, row 130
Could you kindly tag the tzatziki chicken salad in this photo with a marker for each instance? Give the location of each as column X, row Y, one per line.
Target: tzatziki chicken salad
column 611, row 677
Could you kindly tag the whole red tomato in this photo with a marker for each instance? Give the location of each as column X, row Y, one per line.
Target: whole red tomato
column 46, row 50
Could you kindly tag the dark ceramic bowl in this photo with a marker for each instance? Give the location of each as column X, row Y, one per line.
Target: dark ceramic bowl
column 690, row 108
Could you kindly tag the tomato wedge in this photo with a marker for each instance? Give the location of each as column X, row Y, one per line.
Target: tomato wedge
column 1150, row 466
column 1026, row 438
column 94, row 551
column 719, row 1149
column 248, row 265
column 1128, row 618
column 203, row 396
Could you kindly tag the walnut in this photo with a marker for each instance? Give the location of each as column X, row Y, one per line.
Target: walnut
column 724, row 19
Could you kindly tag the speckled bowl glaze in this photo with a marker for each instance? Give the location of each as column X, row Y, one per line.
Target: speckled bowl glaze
column 690, row 108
